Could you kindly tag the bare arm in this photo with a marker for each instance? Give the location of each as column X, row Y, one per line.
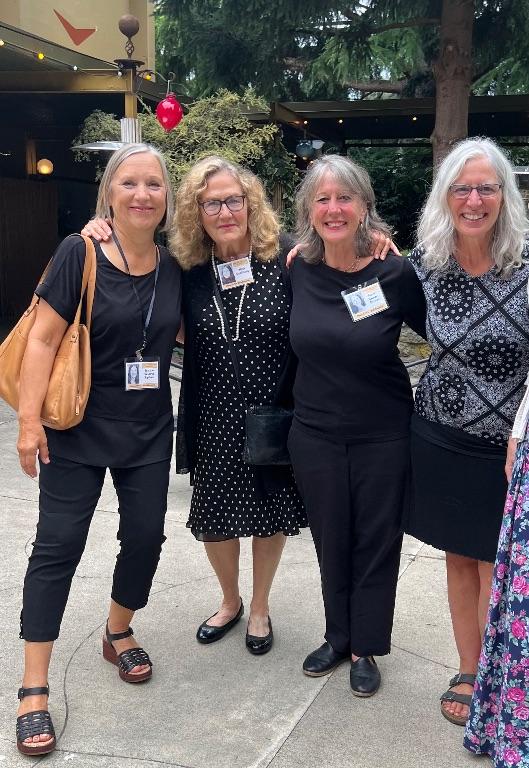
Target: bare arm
column 181, row 335
column 511, row 453
column 43, row 342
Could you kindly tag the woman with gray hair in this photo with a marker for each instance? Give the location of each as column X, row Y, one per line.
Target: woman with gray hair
column 128, row 429
column 349, row 442
column 471, row 263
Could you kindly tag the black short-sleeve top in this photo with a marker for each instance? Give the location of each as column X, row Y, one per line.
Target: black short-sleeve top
column 351, row 384
column 120, row 428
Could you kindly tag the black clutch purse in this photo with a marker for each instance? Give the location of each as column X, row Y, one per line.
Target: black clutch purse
column 266, row 434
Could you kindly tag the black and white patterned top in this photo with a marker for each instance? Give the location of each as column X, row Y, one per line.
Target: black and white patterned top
column 478, row 328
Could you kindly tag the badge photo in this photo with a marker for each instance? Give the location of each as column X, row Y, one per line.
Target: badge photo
column 365, row 300
column 234, row 273
column 142, row 374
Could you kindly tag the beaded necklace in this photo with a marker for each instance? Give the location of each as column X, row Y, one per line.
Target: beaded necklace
column 235, row 337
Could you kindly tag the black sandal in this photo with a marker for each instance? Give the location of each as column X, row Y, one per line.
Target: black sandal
column 35, row 724
column 459, row 698
column 126, row 660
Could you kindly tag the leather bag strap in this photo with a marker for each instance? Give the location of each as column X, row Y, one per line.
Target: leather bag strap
column 87, row 286
column 91, row 263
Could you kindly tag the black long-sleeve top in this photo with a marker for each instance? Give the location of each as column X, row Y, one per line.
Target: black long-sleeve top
column 351, row 384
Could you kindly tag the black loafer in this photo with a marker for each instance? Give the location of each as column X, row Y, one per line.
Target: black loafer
column 259, row 645
column 364, row 677
column 209, row 634
column 323, row 660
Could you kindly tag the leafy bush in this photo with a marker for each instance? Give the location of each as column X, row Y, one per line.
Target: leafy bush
column 214, row 125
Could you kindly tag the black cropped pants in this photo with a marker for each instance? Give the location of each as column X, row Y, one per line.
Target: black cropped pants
column 69, row 493
column 355, row 496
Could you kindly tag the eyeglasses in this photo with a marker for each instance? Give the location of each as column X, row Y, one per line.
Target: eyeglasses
column 233, row 203
column 462, row 191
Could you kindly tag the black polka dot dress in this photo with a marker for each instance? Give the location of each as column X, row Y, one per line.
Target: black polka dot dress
column 226, row 502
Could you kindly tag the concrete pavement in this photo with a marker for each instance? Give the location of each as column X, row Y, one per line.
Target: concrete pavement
column 217, row 706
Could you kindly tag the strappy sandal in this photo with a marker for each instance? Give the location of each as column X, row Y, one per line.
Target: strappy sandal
column 459, row 698
column 126, row 660
column 35, row 724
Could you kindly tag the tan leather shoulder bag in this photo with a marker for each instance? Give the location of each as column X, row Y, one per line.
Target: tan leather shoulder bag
column 69, row 384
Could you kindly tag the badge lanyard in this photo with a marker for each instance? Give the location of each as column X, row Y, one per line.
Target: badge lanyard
column 139, row 352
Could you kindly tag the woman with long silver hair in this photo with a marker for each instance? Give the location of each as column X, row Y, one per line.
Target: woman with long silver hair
column 471, row 261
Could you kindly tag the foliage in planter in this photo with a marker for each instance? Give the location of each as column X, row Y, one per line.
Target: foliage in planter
column 214, row 125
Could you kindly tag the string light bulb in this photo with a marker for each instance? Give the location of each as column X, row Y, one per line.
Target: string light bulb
column 2, row 42
column 40, row 55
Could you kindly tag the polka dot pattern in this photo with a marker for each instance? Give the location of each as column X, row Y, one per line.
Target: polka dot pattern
column 226, row 502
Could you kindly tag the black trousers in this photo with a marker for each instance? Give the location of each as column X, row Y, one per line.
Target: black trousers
column 355, row 496
column 69, row 493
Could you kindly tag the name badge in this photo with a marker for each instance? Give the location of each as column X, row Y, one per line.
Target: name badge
column 235, row 273
column 365, row 300
column 142, row 374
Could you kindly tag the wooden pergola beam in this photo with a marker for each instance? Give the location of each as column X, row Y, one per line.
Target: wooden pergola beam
column 74, row 82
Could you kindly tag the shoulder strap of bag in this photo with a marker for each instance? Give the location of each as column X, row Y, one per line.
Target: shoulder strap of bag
column 229, row 339
column 88, row 283
column 90, row 264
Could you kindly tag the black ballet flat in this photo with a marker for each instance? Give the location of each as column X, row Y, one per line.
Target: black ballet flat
column 259, row 645
column 208, row 634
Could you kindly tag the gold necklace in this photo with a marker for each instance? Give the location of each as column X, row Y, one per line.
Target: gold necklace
column 352, row 268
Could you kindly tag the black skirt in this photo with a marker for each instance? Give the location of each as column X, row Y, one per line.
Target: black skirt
column 459, row 490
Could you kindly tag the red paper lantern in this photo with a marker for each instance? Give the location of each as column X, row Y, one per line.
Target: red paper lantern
column 169, row 112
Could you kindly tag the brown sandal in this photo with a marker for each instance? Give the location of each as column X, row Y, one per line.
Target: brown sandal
column 126, row 660
column 459, row 698
column 35, row 724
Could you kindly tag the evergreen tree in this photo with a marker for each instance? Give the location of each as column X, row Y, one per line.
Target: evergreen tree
column 317, row 49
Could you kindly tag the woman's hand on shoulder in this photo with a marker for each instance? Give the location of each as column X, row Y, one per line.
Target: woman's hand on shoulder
column 381, row 244
column 511, row 453
column 31, row 443
column 99, row 229
column 291, row 255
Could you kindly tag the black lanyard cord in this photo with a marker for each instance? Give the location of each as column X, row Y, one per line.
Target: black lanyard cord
column 146, row 322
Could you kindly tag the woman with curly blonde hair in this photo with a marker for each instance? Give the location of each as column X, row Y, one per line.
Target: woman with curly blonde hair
column 224, row 218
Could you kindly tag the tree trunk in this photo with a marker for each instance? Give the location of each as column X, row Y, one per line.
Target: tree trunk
column 453, row 76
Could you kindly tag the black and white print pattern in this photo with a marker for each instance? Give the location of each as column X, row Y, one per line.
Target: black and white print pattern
column 478, row 328
column 225, row 502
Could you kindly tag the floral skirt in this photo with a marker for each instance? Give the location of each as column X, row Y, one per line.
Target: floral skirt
column 498, row 723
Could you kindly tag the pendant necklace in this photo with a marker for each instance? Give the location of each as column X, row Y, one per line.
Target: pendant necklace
column 235, row 337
